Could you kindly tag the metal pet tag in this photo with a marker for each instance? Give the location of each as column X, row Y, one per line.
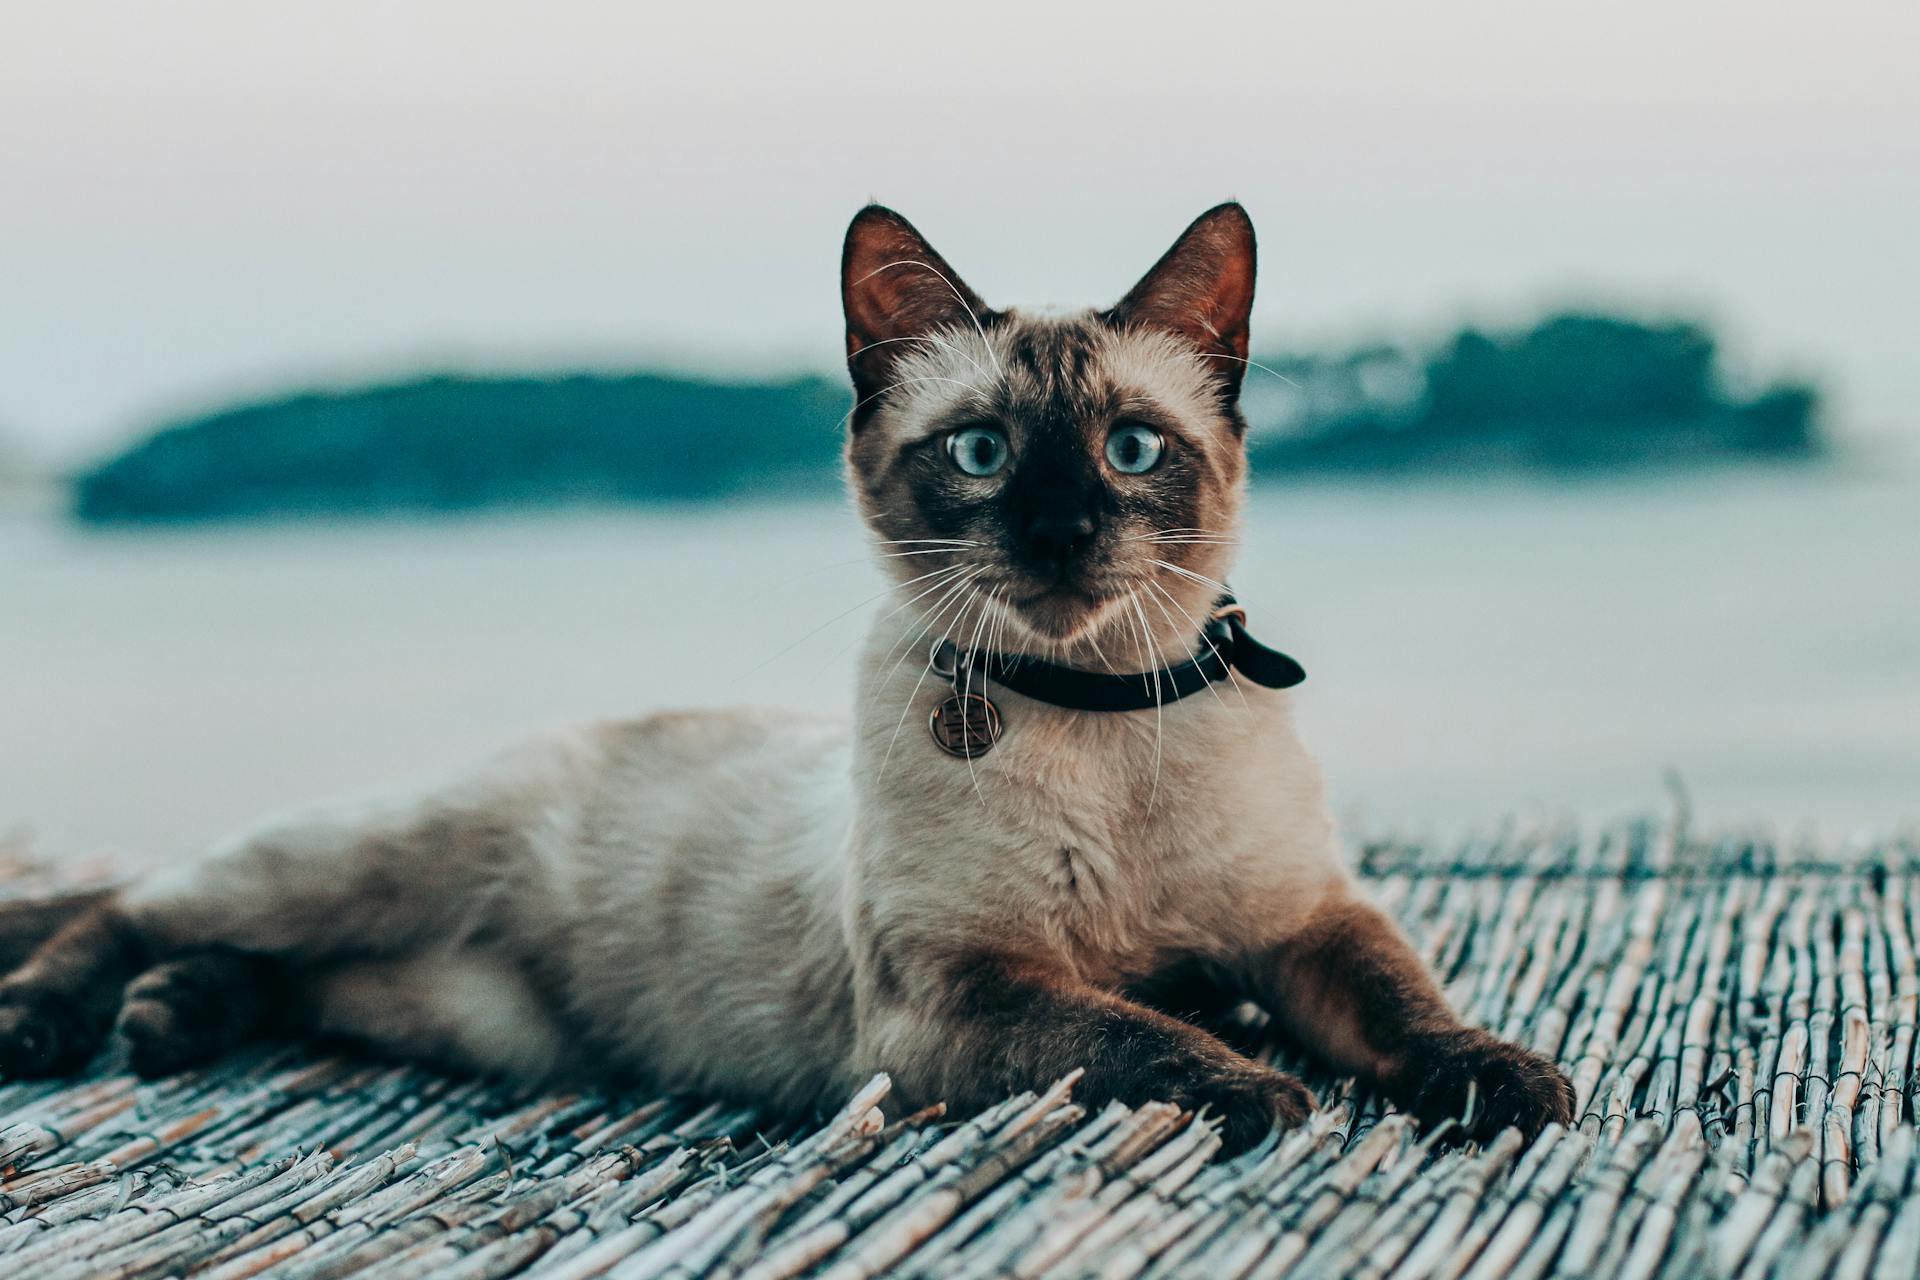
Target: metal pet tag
column 965, row 725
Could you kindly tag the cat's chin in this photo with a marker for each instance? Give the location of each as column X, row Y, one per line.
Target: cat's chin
column 1063, row 616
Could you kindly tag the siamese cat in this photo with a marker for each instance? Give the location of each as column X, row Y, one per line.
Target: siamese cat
column 973, row 888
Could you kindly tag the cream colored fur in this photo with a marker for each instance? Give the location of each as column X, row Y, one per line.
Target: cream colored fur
column 687, row 897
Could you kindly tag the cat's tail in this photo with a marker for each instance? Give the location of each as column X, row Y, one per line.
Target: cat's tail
column 25, row 923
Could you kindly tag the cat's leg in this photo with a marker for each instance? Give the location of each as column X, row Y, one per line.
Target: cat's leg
column 377, row 883
column 463, row 1007
column 67, row 964
column 1209, row 998
column 987, row 1027
column 57, row 1008
column 1352, row 989
column 308, row 893
column 26, row 923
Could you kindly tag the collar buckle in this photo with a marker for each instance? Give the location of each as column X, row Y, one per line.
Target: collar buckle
column 944, row 659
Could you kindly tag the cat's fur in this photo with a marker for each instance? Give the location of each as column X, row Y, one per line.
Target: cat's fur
column 773, row 908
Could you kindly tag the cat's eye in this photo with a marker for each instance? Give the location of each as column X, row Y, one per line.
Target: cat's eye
column 978, row 451
column 1132, row 448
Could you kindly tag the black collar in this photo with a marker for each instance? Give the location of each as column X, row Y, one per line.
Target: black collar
column 1224, row 646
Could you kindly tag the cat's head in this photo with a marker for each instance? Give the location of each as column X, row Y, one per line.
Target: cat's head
column 1072, row 475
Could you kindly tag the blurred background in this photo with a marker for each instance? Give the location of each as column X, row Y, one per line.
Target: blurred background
column 381, row 382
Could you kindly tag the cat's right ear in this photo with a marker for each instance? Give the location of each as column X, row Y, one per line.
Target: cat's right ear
column 1202, row 290
column 896, row 291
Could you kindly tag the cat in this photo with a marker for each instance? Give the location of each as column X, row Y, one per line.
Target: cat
column 770, row 907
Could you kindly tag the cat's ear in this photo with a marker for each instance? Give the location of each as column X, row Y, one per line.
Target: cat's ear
column 1202, row 290
column 895, row 289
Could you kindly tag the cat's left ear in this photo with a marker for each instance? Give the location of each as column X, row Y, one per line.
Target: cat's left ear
column 897, row 291
column 1202, row 290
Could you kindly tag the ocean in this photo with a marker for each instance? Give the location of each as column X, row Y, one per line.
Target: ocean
column 1478, row 650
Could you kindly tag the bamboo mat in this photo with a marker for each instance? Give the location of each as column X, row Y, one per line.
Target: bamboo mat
column 1738, row 1017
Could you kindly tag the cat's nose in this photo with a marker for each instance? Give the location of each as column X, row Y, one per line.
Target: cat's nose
column 1059, row 540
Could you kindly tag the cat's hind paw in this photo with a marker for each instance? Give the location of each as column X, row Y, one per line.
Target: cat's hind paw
column 43, row 1034
column 189, row 1011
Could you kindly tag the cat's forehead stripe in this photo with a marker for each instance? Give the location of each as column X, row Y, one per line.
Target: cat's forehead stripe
column 1048, row 373
column 1073, row 367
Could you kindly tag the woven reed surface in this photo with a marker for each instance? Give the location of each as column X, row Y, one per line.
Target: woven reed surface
column 1738, row 1018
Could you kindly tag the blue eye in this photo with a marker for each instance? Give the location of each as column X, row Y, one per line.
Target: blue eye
column 978, row 451
column 1132, row 448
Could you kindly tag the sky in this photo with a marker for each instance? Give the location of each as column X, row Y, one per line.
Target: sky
column 203, row 200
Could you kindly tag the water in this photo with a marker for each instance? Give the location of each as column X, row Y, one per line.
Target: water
column 1475, row 650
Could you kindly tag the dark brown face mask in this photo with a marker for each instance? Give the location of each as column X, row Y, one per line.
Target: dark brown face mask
column 968, row 723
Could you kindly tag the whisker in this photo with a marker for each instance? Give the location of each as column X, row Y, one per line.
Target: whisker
column 1221, row 355
column 1100, row 653
column 1139, row 647
column 904, row 382
column 924, row 551
column 1174, row 626
column 967, row 689
column 1201, row 628
column 901, row 542
column 950, row 572
column 1159, row 711
column 927, row 337
column 1182, row 532
column 1190, row 542
column 949, row 569
column 892, row 742
column 951, row 288
column 996, row 632
column 828, row 567
column 1177, row 539
column 954, row 588
column 1184, row 537
column 1200, row 578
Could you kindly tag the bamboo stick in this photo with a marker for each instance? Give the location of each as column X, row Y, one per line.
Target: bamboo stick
column 1738, row 1013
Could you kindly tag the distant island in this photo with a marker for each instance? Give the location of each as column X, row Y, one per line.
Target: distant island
column 1573, row 393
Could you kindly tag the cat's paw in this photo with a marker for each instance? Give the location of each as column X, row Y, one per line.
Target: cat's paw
column 1483, row 1084
column 45, row 1034
column 1247, row 1102
column 169, row 1021
column 189, row 1011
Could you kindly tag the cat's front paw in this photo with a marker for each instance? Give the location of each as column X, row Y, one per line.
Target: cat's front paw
column 1249, row 1103
column 1483, row 1084
column 43, row 1034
